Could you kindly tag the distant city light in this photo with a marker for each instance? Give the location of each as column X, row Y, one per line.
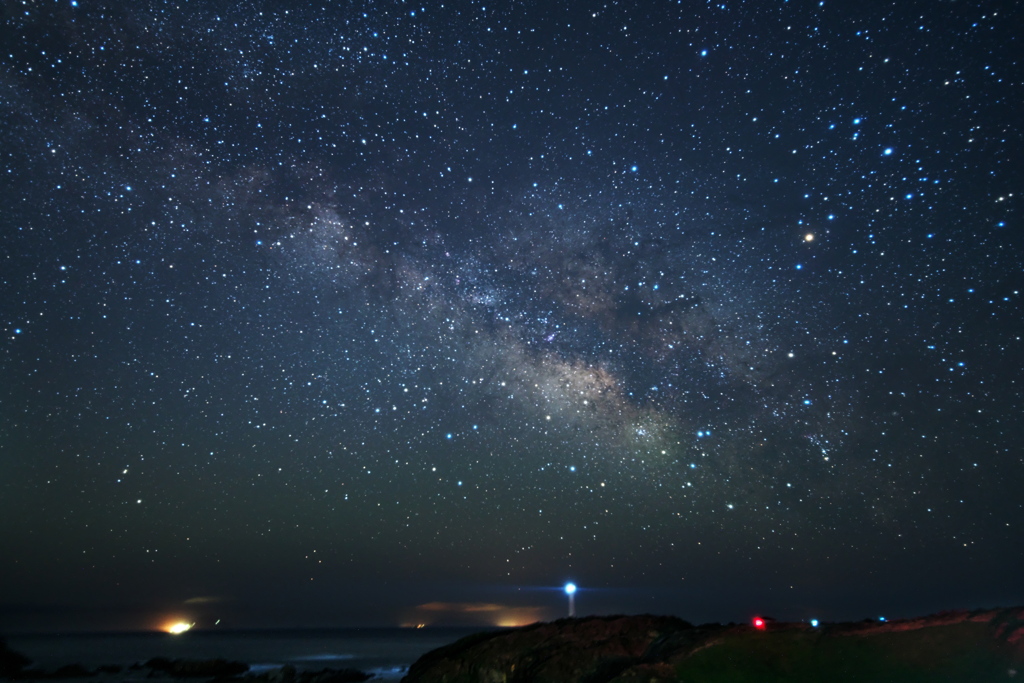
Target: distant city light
column 178, row 627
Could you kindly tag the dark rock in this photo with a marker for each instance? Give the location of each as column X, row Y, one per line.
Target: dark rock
column 285, row 674
column 11, row 662
column 71, row 671
column 337, row 676
column 591, row 650
column 159, row 663
column 197, row 668
column 288, row 674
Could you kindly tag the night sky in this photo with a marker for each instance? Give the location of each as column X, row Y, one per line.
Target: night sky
column 389, row 313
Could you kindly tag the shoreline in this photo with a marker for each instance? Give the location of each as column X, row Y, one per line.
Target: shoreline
column 202, row 671
column 121, row 657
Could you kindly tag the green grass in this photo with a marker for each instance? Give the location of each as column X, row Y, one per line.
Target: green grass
column 958, row 653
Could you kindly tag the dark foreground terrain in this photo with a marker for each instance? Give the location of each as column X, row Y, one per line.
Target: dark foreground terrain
column 965, row 647
column 16, row 667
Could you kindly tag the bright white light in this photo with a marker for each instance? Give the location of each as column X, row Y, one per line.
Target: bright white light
column 179, row 627
column 814, row 623
column 570, row 588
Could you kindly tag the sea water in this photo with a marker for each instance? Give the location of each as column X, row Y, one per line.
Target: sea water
column 386, row 652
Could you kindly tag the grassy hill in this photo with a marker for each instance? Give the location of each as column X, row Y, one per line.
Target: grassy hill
column 984, row 645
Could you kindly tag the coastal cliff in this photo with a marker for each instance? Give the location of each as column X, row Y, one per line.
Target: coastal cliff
column 982, row 645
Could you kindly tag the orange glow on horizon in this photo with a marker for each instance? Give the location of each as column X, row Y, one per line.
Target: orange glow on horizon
column 176, row 627
column 512, row 622
column 515, row 617
column 476, row 613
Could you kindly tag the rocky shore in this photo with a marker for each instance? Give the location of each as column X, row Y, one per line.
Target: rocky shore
column 16, row 667
column 983, row 645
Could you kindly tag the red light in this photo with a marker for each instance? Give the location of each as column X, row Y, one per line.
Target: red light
column 759, row 623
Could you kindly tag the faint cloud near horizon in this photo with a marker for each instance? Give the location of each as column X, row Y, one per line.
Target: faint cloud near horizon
column 206, row 599
column 462, row 607
column 483, row 613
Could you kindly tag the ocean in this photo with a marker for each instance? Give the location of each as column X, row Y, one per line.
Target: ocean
column 387, row 652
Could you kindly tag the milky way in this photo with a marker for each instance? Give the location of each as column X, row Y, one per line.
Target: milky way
column 710, row 308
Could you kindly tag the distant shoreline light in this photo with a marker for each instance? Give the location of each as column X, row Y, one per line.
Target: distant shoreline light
column 178, row 627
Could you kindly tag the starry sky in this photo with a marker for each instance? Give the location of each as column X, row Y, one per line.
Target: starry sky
column 383, row 312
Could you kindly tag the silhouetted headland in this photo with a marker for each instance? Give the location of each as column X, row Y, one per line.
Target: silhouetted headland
column 981, row 645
